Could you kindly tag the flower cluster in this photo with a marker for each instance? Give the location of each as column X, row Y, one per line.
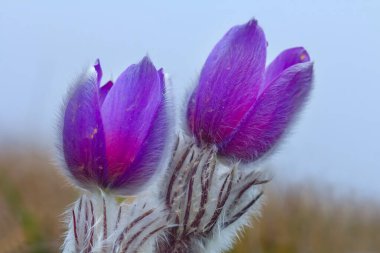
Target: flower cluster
column 116, row 141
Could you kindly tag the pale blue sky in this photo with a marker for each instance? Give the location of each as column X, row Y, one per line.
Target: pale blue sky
column 45, row 44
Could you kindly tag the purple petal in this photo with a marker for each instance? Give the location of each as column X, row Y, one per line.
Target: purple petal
column 147, row 161
column 161, row 75
column 106, row 87
column 104, row 91
column 285, row 60
column 128, row 114
column 83, row 133
column 99, row 70
column 274, row 110
column 228, row 83
column 150, row 154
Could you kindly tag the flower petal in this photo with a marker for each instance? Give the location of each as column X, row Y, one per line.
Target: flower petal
column 83, row 133
column 274, row 110
column 104, row 91
column 128, row 113
column 148, row 158
column 227, row 85
column 99, row 70
column 285, row 60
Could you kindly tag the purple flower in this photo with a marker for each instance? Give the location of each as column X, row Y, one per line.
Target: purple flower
column 239, row 105
column 113, row 136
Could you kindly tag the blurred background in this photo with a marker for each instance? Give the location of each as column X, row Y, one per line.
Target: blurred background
column 325, row 196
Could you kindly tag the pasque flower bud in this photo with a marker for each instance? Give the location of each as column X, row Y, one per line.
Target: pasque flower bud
column 113, row 136
column 241, row 106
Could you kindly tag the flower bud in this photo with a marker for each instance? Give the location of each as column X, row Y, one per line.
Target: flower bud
column 114, row 136
column 239, row 105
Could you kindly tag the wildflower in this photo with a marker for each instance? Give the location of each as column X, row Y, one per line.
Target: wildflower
column 239, row 105
column 113, row 136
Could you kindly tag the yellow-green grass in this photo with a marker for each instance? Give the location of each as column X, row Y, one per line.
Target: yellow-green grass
column 298, row 218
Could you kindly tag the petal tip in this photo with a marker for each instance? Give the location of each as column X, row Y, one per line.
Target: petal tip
column 304, row 55
column 163, row 76
column 253, row 25
column 146, row 64
column 98, row 69
column 146, row 60
column 252, row 22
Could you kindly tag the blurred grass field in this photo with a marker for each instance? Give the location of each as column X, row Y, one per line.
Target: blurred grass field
column 298, row 218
